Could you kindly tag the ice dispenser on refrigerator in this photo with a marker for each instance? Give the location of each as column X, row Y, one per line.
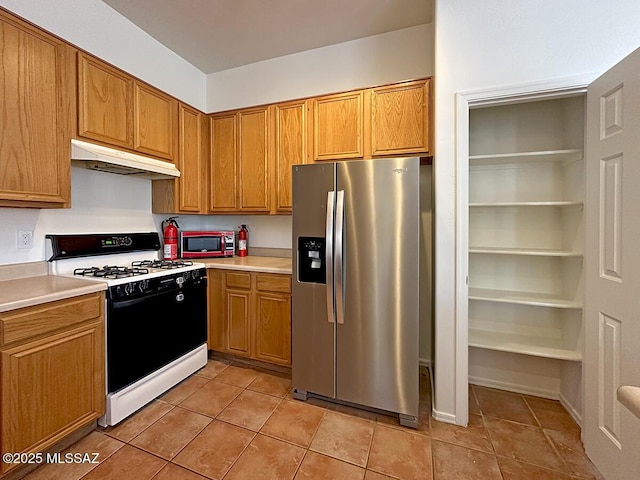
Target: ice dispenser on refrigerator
column 312, row 267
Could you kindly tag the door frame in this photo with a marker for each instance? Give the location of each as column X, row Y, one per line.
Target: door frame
column 466, row 100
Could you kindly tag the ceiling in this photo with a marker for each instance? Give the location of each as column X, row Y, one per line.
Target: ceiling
column 215, row 35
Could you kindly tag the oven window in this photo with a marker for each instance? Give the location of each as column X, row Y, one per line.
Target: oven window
column 203, row 244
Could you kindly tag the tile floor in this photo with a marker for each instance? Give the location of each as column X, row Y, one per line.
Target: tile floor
column 233, row 422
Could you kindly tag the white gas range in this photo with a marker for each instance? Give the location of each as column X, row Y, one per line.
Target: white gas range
column 156, row 313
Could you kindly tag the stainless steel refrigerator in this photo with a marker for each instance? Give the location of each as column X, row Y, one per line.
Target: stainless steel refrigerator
column 356, row 236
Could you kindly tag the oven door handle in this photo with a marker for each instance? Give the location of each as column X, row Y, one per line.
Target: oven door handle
column 179, row 294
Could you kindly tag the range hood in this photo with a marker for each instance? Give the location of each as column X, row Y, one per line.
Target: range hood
column 105, row 159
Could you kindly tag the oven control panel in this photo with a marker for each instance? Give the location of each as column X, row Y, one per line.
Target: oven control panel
column 150, row 286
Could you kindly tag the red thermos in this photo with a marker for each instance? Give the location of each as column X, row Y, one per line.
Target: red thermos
column 243, row 235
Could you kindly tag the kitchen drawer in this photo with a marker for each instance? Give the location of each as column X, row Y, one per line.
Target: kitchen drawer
column 273, row 283
column 39, row 320
column 239, row 280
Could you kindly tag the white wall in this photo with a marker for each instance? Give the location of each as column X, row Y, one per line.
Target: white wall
column 95, row 27
column 494, row 43
column 376, row 60
column 102, row 202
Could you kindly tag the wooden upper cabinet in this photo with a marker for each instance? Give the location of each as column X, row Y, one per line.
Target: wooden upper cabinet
column 192, row 160
column 222, row 183
column 290, row 138
column 105, row 97
column 253, row 160
column 338, row 126
column 240, row 162
column 400, row 118
column 116, row 109
column 154, row 117
column 37, row 111
column 188, row 192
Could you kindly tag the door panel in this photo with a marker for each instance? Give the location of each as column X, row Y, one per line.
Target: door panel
column 313, row 354
column 611, row 433
column 377, row 345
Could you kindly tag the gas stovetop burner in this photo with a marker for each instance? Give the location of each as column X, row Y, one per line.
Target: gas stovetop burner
column 162, row 264
column 110, row 271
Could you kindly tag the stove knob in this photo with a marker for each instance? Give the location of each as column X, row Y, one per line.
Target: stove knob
column 180, row 280
column 129, row 288
column 143, row 285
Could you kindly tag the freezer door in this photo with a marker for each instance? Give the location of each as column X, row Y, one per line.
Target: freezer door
column 377, row 294
column 312, row 322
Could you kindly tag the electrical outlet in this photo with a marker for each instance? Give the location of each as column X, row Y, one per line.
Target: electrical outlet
column 25, row 238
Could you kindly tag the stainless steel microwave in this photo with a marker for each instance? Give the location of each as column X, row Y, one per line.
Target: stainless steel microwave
column 203, row 244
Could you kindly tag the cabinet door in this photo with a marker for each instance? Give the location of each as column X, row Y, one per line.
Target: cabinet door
column 238, row 326
column 50, row 387
column 222, row 196
column 400, row 119
column 191, row 161
column 37, row 107
column 154, row 117
column 273, row 319
column 337, row 126
column 253, row 160
column 105, row 97
column 290, row 148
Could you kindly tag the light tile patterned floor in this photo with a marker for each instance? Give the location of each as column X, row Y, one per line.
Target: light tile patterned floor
column 233, row 422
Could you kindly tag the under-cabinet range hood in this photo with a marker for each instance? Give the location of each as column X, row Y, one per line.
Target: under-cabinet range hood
column 105, row 159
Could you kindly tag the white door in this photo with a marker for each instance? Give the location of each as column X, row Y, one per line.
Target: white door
column 612, row 306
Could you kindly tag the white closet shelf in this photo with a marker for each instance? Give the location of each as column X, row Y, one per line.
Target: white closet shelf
column 567, row 155
column 561, row 203
column 522, row 298
column 523, row 344
column 536, row 252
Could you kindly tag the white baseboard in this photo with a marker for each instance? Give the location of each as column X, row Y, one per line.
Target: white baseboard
column 443, row 417
column 572, row 411
column 514, row 387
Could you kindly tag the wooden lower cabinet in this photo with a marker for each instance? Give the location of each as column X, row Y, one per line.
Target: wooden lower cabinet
column 51, row 372
column 250, row 315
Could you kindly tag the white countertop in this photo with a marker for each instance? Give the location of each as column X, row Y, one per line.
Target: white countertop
column 250, row 263
column 29, row 291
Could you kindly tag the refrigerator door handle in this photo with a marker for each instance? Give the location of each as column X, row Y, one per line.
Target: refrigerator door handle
column 339, row 267
column 328, row 255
